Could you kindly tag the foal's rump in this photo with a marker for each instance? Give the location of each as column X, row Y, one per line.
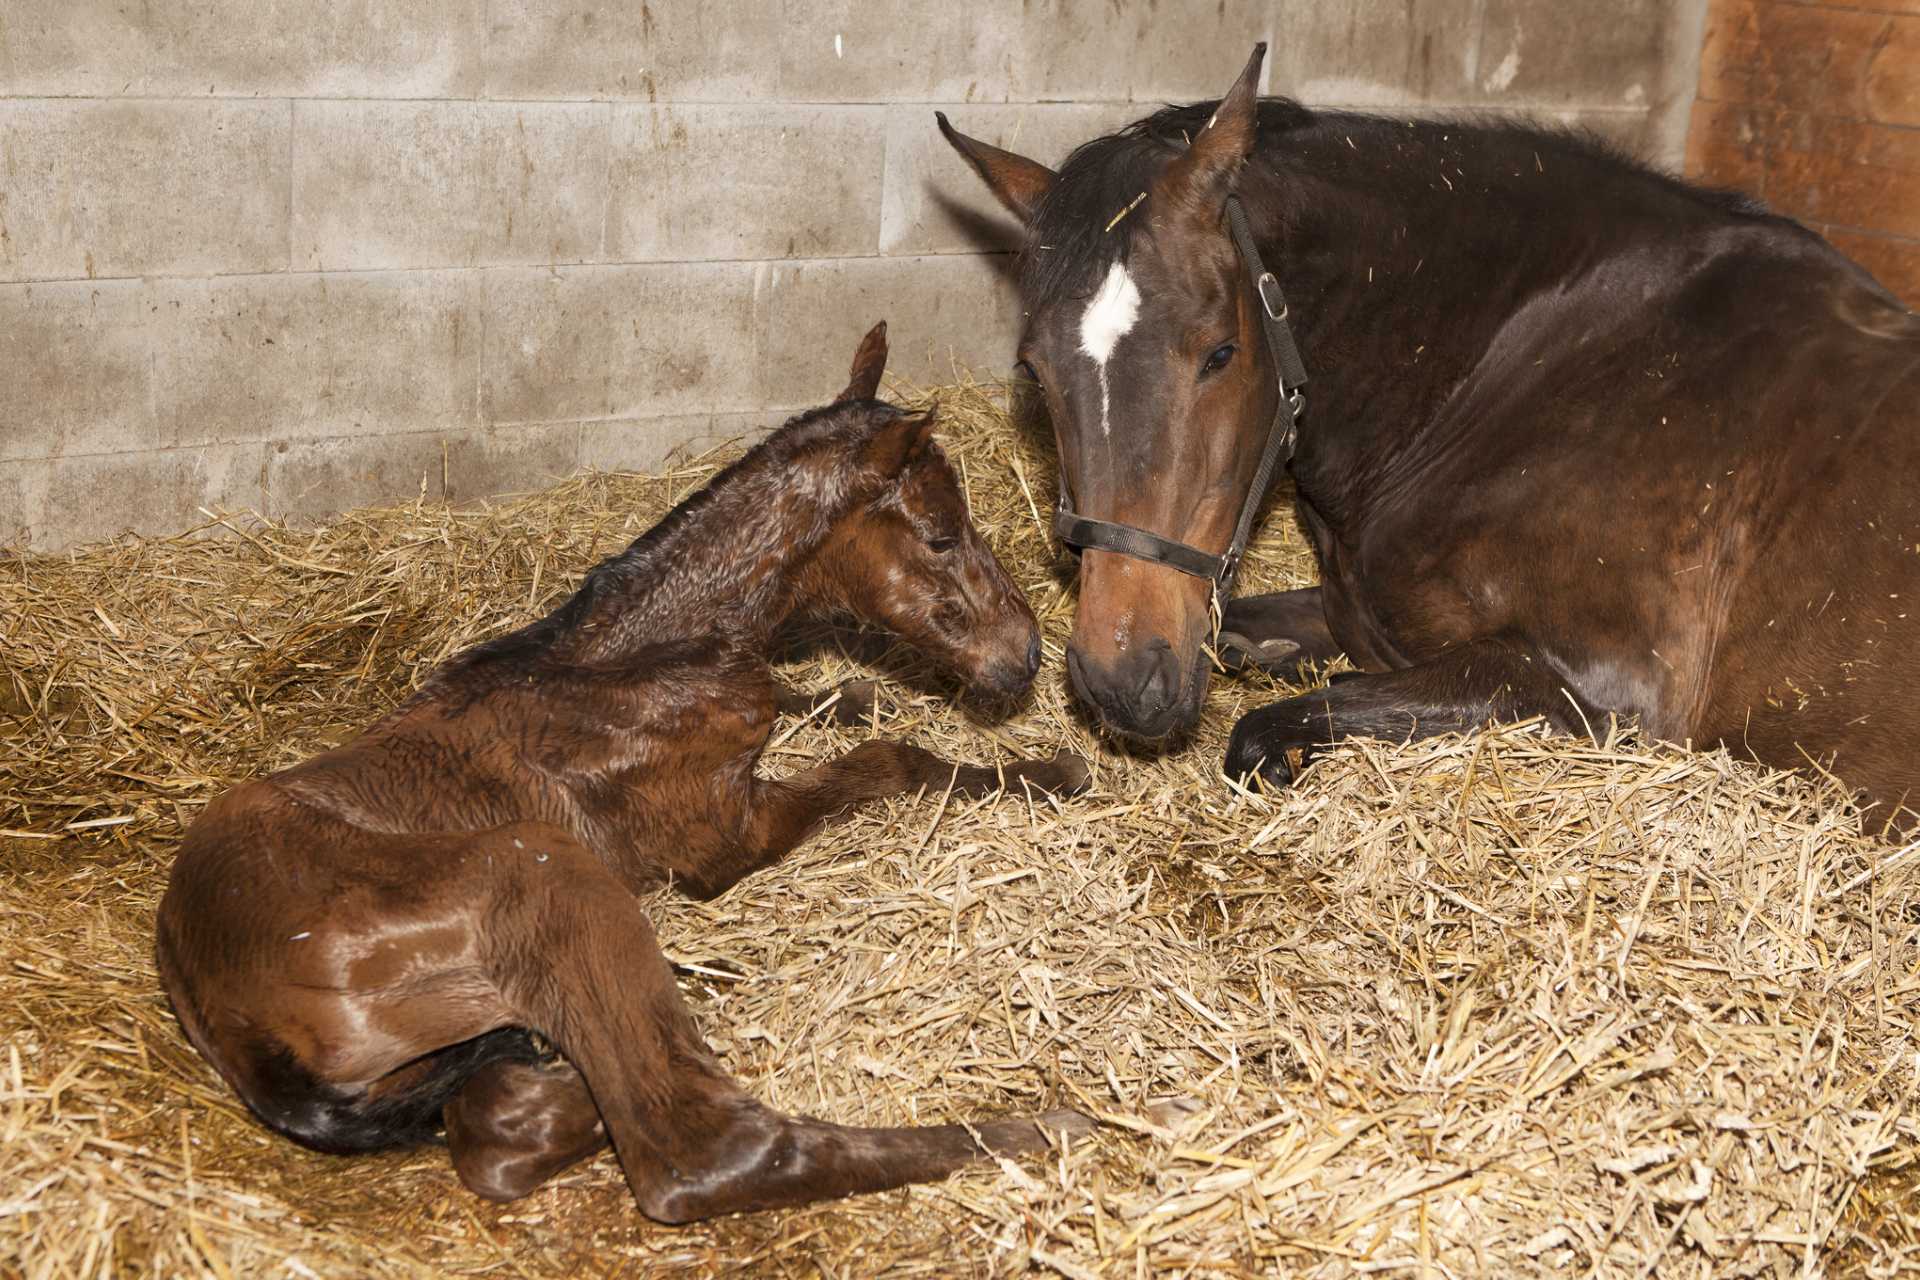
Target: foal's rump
column 346, row 1019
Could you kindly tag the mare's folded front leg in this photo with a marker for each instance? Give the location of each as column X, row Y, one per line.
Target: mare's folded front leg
column 783, row 812
column 1463, row 689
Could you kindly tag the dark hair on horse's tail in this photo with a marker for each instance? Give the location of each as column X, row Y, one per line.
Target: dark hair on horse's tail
column 291, row 1100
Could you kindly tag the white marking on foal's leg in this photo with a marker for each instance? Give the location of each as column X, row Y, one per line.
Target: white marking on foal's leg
column 1107, row 319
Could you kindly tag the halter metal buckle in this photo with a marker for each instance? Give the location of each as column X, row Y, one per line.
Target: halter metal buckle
column 1269, row 290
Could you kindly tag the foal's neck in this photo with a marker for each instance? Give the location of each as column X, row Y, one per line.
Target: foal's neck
column 723, row 564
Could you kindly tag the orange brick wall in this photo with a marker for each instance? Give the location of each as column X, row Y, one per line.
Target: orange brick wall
column 1814, row 106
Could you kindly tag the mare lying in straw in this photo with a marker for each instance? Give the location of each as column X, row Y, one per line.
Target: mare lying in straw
column 362, row 943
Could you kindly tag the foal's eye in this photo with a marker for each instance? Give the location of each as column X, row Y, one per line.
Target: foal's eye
column 1217, row 359
column 940, row 546
column 1024, row 371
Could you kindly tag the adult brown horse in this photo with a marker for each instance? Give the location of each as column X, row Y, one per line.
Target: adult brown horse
column 360, row 944
column 1584, row 440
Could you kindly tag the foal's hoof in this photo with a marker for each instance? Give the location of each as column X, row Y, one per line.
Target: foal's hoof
column 1065, row 775
column 855, row 705
column 1277, row 656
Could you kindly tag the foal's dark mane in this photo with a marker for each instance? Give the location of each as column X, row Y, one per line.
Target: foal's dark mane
column 770, row 505
column 1336, row 154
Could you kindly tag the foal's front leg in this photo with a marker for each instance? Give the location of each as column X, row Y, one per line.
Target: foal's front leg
column 1463, row 689
column 781, row 813
column 1276, row 633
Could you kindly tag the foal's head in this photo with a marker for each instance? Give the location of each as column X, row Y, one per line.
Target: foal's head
column 905, row 556
column 1143, row 332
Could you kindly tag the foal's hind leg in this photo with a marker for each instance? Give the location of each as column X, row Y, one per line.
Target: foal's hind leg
column 513, row 1125
column 1464, row 689
column 1276, row 633
column 575, row 956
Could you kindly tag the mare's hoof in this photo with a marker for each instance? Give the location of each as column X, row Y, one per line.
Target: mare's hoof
column 1261, row 748
column 1277, row 656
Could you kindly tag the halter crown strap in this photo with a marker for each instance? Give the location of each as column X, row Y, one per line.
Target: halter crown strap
column 1290, row 371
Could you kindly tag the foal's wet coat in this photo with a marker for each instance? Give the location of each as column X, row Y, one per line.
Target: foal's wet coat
column 363, row 944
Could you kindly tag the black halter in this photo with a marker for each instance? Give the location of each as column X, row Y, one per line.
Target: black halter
column 1080, row 532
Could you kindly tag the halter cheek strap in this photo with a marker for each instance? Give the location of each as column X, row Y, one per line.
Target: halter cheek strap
column 1082, row 532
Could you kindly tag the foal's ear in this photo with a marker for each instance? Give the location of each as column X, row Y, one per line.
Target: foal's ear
column 1204, row 173
column 869, row 362
column 896, row 445
column 1019, row 182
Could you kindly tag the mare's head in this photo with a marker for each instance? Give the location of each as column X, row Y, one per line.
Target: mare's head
column 904, row 554
column 1143, row 333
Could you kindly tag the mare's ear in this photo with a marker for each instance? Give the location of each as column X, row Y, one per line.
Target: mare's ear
column 895, row 446
column 1019, row 182
column 1202, row 176
column 869, row 362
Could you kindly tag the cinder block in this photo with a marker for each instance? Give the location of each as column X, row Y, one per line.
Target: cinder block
column 77, row 48
column 684, row 340
column 428, row 184
column 618, row 342
column 943, row 313
column 100, row 496
column 666, row 51
column 75, row 370
column 308, row 481
column 1337, row 54
column 643, row 444
column 305, row 356
column 361, row 48
column 1549, row 52
column 510, row 459
column 105, row 188
column 1628, row 131
column 910, row 51
column 935, row 203
column 748, row 181
column 23, row 491
column 1188, row 52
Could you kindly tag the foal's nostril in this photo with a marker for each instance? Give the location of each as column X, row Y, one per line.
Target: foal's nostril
column 1033, row 656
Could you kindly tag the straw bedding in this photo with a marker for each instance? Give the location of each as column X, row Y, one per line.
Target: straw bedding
column 1510, row 1004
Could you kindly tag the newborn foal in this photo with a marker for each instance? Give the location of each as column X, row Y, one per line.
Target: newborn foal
column 362, row 943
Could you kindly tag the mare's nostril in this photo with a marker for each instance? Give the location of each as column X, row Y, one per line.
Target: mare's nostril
column 1156, row 691
column 1033, row 656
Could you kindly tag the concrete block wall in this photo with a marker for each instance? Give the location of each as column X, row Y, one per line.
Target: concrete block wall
column 295, row 257
column 1815, row 107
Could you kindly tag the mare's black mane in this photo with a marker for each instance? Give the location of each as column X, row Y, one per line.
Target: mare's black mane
column 1070, row 247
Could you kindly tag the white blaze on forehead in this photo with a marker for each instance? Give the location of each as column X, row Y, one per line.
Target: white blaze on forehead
column 1110, row 315
column 1107, row 319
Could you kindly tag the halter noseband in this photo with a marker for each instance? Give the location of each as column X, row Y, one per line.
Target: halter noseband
column 1081, row 532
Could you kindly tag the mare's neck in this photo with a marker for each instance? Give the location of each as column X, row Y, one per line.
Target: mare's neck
column 1407, row 251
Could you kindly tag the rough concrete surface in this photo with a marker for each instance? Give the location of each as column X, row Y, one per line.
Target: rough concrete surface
column 297, row 257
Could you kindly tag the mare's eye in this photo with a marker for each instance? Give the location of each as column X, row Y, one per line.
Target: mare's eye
column 940, row 546
column 1217, row 359
column 1025, row 371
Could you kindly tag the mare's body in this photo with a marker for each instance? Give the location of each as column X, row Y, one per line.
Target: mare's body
column 1583, row 440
